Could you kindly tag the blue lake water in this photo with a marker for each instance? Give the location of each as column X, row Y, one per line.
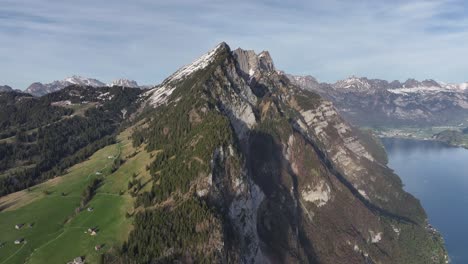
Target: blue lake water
column 437, row 175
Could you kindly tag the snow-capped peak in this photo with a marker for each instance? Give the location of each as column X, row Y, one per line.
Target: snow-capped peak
column 198, row 64
column 354, row 82
column 159, row 95
column 79, row 80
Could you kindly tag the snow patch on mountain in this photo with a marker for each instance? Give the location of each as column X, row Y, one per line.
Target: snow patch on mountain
column 79, row 80
column 160, row 94
column 39, row 89
column 431, row 89
column 197, row 65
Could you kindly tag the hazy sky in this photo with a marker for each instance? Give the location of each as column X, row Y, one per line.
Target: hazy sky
column 146, row 40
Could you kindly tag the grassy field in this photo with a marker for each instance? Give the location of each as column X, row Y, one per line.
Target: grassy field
column 58, row 233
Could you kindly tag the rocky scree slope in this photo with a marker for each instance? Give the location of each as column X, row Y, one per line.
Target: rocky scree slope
column 252, row 169
column 374, row 102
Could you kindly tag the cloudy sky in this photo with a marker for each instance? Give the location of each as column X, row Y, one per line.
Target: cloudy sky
column 147, row 40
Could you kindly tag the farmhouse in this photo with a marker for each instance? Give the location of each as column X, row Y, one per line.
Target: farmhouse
column 19, row 241
column 97, row 247
column 77, row 260
column 92, row 231
column 19, row 226
column 90, row 209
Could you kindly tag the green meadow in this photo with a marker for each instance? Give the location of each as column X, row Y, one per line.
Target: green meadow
column 57, row 233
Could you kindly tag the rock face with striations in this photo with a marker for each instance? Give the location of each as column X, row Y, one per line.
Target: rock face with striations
column 286, row 179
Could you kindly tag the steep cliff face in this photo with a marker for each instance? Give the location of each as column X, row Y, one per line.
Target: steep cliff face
column 275, row 170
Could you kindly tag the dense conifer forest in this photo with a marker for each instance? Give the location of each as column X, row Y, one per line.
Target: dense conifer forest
column 40, row 141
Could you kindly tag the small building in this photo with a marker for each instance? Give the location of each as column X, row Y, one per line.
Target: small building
column 77, row 260
column 90, row 209
column 92, row 231
column 110, row 157
column 98, row 173
column 97, row 247
column 19, row 241
column 19, row 226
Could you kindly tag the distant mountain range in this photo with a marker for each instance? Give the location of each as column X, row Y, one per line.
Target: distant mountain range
column 374, row 102
column 6, row 88
column 40, row 89
column 362, row 101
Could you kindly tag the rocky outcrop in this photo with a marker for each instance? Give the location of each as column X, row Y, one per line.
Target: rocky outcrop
column 249, row 62
column 125, row 83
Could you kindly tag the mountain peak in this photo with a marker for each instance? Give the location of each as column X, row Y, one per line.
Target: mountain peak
column 39, row 89
column 5, row 88
column 200, row 63
column 354, row 82
column 413, row 83
column 249, row 62
column 124, row 83
column 79, row 80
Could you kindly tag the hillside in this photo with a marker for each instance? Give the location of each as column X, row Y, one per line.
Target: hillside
column 42, row 137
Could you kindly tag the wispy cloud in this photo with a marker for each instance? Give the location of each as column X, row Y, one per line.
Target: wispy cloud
column 147, row 40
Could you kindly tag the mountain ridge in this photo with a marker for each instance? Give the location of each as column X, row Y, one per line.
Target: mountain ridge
column 375, row 102
column 40, row 89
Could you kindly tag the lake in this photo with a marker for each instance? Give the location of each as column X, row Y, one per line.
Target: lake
column 437, row 175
